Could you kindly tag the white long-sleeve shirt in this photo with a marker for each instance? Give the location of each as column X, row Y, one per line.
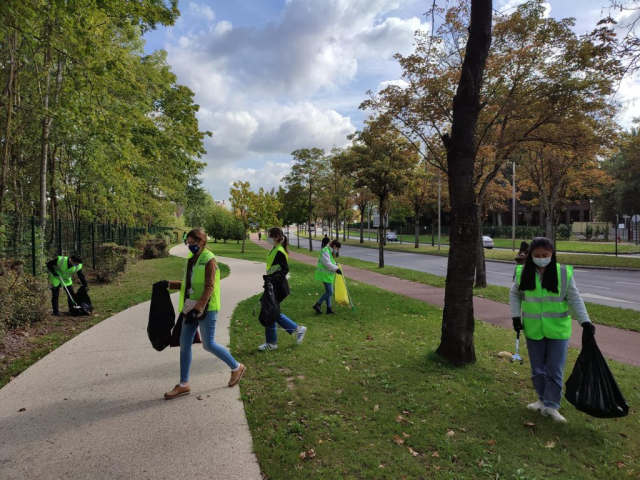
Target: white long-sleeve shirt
column 326, row 261
column 573, row 298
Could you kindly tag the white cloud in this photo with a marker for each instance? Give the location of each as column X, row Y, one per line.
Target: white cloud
column 201, row 11
column 398, row 83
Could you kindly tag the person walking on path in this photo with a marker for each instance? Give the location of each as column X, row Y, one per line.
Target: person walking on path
column 326, row 273
column 184, row 237
column 277, row 270
column 259, row 236
column 540, row 298
column 521, row 257
column 200, row 303
column 61, row 271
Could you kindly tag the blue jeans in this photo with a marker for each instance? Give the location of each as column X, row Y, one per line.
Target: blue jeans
column 547, row 358
column 207, row 332
column 328, row 291
column 285, row 322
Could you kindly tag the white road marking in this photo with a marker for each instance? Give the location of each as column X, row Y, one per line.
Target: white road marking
column 500, row 273
column 629, row 283
column 593, row 286
column 600, row 297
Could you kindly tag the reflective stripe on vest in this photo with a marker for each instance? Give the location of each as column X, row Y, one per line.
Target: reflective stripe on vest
column 546, row 314
column 272, row 256
column 197, row 284
column 322, row 273
column 65, row 272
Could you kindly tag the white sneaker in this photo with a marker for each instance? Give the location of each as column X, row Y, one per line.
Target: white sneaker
column 300, row 334
column 268, row 346
column 554, row 414
column 536, row 407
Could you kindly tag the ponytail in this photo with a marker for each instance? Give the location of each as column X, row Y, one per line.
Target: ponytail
column 277, row 234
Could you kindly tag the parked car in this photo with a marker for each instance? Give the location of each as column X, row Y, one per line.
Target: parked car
column 392, row 237
column 487, row 242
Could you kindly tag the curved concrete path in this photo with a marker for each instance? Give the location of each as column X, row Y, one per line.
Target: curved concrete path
column 94, row 408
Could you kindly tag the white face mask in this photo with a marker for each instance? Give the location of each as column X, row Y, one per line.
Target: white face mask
column 270, row 241
column 542, row 262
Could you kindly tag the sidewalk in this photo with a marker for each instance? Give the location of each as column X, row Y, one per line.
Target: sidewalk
column 94, row 408
column 616, row 344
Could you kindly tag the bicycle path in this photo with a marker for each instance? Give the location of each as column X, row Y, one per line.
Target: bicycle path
column 616, row 344
column 94, row 408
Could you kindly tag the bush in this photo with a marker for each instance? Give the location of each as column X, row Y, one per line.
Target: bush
column 606, row 231
column 563, row 232
column 112, row 260
column 25, row 298
column 153, row 247
column 588, row 233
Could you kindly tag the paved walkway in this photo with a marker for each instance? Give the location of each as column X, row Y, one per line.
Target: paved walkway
column 616, row 344
column 94, row 408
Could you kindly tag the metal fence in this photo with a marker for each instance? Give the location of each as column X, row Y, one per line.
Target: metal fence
column 25, row 238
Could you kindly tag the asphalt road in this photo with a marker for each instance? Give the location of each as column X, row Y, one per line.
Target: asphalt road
column 614, row 288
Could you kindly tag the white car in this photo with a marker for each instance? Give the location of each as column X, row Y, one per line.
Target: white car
column 487, row 242
column 392, row 237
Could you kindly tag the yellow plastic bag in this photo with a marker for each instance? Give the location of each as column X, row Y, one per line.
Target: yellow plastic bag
column 342, row 297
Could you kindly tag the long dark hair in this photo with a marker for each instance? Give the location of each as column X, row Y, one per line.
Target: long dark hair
column 524, row 248
column 277, row 234
column 325, row 242
column 528, row 277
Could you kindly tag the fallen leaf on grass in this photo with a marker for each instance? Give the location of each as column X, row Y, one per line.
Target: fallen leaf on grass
column 311, row 453
column 550, row 444
column 405, row 435
column 376, row 408
column 504, row 355
column 435, row 455
column 529, row 424
column 413, row 452
column 450, row 433
column 369, row 337
column 621, row 464
column 492, row 442
column 481, row 463
column 398, row 440
column 320, row 442
column 302, row 455
column 382, row 465
column 348, row 368
column 406, row 412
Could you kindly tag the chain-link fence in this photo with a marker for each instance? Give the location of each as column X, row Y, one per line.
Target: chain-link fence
column 27, row 239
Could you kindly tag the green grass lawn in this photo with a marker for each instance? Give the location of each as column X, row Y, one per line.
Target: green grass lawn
column 600, row 314
column 507, row 255
column 130, row 289
column 252, row 251
column 364, row 397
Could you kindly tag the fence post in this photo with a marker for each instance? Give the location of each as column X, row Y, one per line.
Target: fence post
column 79, row 238
column 59, row 237
column 93, row 244
column 33, row 244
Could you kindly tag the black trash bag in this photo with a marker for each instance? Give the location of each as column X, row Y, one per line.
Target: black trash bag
column 591, row 387
column 82, row 305
column 269, row 306
column 162, row 317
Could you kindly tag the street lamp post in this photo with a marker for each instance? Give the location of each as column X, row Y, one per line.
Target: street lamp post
column 513, row 212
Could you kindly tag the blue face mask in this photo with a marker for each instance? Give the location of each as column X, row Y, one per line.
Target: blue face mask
column 194, row 249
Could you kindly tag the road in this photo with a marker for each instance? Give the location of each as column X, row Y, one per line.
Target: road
column 614, row 288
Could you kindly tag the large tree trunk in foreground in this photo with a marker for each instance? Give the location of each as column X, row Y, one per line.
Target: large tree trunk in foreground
column 456, row 344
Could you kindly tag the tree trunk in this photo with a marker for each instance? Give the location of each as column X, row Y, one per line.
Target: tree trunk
column 456, row 344
column 481, row 267
column 9, row 94
column 244, row 237
column 309, row 224
column 361, row 226
column 381, row 236
column 298, row 234
column 416, row 228
column 344, row 230
column 44, row 150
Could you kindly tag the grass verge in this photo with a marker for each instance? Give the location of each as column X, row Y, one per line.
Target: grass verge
column 507, row 255
column 22, row 349
column 365, row 397
column 624, row 318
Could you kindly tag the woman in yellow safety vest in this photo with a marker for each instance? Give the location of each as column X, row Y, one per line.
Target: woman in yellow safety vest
column 277, row 269
column 326, row 273
column 61, row 272
column 200, row 303
column 541, row 296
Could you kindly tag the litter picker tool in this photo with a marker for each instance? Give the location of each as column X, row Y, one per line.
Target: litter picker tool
column 75, row 305
column 516, row 356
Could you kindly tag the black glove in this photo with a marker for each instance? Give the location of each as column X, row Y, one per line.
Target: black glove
column 588, row 331
column 517, row 324
column 163, row 284
column 192, row 316
column 339, row 272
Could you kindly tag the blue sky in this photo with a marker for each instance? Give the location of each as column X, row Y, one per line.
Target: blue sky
column 272, row 76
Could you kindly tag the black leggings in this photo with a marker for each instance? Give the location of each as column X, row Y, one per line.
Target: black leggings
column 55, row 294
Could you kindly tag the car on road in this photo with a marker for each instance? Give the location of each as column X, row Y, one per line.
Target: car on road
column 487, row 242
column 392, row 237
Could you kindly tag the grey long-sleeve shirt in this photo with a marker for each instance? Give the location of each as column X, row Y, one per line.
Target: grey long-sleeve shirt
column 573, row 298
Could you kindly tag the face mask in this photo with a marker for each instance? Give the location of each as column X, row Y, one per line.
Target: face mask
column 270, row 241
column 194, row 249
column 542, row 262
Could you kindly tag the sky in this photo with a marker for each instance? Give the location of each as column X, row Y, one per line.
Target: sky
column 273, row 76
